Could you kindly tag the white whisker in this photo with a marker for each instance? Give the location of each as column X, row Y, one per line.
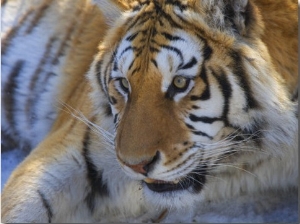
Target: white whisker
column 236, row 167
column 107, row 136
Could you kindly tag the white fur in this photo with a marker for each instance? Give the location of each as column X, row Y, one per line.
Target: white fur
column 32, row 46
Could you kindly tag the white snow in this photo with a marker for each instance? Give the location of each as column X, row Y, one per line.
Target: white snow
column 9, row 161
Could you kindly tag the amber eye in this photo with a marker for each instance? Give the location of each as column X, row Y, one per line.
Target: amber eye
column 180, row 82
column 124, row 84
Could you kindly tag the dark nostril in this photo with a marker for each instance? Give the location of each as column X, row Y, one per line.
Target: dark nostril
column 150, row 165
column 145, row 166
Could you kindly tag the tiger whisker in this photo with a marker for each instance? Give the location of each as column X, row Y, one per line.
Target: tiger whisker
column 85, row 119
column 234, row 166
column 233, row 151
column 208, row 175
column 108, row 137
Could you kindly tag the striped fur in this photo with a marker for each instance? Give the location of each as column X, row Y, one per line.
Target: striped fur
column 29, row 95
column 147, row 106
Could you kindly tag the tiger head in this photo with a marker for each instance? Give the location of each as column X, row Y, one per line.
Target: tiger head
column 192, row 91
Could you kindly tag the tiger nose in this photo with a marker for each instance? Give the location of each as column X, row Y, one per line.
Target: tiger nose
column 145, row 166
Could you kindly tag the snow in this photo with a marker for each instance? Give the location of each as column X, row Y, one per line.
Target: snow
column 9, row 161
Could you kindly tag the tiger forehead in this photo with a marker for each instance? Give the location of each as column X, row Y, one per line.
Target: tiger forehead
column 149, row 27
column 171, row 52
column 161, row 4
column 151, row 40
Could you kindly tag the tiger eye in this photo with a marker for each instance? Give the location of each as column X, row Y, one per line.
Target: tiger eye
column 125, row 83
column 180, row 82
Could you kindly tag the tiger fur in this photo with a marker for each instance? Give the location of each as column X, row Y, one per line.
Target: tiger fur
column 146, row 110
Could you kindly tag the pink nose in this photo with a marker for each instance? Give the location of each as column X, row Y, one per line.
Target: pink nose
column 139, row 168
column 145, row 166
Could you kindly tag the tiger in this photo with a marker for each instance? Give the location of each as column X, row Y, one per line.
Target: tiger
column 150, row 110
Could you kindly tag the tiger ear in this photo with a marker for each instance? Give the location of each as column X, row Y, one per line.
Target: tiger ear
column 112, row 9
column 237, row 12
column 238, row 16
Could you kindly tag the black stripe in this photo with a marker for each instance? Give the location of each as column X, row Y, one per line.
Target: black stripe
column 153, row 49
column 171, row 37
column 40, row 13
column 115, row 66
column 98, row 68
column 208, row 120
column 37, row 87
column 125, row 50
column 190, row 64
column 112, row 100
column 138, row 52
column 32, row 105
column 47, row 206
column 132, row 37
column 174, row 49
column 144, row 19
column 239, row 72
column 153, row 32
column 206, row 93
column 226, row 92
column 8, row 142
column 106, row 76
column 133, row 23
column 116, row 118
column 137, row 69
column 131, row 64
column 108, row 70
column 171, row 21
column 190, row 126
column 98, row 187
column 136, row 20
column 7, row 39
column 198, row 132
column 207, row 52
column 108, row 111
column 202, row 134
column 10, row 92
column 154, row 62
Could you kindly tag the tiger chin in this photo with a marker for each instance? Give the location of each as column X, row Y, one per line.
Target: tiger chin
column 185, row 103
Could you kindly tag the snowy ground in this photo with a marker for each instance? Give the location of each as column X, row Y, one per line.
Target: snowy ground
column 9, row 161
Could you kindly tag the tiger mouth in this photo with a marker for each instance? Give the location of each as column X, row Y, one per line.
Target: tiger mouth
column 195, row 180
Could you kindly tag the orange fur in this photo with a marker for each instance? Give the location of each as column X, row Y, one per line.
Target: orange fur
column 281, row 37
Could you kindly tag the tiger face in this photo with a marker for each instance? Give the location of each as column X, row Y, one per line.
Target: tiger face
column 187, row 83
